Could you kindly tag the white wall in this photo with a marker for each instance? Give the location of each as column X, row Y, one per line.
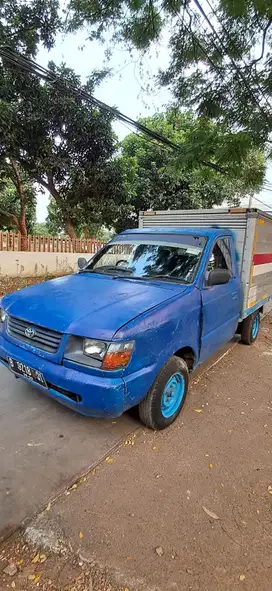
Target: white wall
column 31, row 264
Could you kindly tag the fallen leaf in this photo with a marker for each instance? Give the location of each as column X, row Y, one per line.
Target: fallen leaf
column 242, row 577
column 74, row 486
column 48, row 507
column 31, row 577
column 129, row 557
column 19, row 562
column 113, row 422
column 197, row 410
column 109, row 459
column 43, row 557
column 81, row 535
column 159, row 551
column 13, row 585
column 222, row 484
column 154, row 448
column 83, row 479
column 93, row 472
column 37, row 577
column 210, row 465
column 210, row 513
column 126, row 589
column 269, row 488
column 36, row 558
column 258, row 511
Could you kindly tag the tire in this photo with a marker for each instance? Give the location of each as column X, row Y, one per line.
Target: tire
column 166, row 397
column 250, row 328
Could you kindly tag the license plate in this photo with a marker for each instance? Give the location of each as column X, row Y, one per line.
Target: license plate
column 24, row 370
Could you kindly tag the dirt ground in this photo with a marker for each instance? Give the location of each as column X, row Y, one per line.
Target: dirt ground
column 189, row 508
column 9, row 284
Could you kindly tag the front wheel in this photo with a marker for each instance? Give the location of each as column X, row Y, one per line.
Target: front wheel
column 166, row 397
column 250, row 328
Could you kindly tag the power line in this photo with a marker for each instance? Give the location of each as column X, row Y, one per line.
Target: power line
column 33, row 67
column 265, row 204
column 202, row 11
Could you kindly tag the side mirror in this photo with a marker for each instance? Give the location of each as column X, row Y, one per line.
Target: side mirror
column 218, row 277
column 81, row 263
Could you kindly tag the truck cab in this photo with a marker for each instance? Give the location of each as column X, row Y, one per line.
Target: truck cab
column 128, row 328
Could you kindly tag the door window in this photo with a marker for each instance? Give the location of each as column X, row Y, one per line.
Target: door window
column 221, row 257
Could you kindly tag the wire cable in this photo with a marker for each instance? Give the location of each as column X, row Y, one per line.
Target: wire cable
column 202, row 11
column 33, row 67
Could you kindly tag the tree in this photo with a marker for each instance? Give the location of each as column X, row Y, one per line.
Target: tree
column 85, row 222
column 62, row 141
column 15, row 215
column 23, row 26
column 220, row 52
column 161, row 179
column 41, row 229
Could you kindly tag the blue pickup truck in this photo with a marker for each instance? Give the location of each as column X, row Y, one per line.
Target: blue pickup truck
column 131, row 324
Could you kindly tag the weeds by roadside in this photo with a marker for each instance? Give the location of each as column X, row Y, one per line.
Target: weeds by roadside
column 9, row 284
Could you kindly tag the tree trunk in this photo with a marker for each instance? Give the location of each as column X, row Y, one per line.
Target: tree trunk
column 22, row 217
column 10, row 218
column 69, row 227
column 49, row 185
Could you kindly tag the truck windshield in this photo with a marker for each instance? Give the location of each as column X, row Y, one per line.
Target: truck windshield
column 151, row 258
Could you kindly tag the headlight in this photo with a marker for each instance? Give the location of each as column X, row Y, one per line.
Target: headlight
column 3, row 315
column 96, row 349
column 98, row 354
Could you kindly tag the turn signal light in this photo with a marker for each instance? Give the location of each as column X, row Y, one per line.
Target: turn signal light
column 118, row 355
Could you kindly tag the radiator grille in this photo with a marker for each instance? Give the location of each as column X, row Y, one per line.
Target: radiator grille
column 42, row 338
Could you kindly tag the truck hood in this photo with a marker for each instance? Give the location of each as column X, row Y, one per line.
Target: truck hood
column 87, row 305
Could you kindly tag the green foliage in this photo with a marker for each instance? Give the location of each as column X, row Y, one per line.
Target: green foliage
column 223, row 71
column 25, row 24
column 41, row 229
column 84, row 227
column 158, row 178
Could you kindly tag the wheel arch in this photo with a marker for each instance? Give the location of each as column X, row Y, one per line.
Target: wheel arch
column 188, row 355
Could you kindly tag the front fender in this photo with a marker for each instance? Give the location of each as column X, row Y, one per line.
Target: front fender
column 159, row 334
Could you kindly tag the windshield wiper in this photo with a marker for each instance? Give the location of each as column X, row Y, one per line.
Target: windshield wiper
column 151, row 277
column 167, row 278
column 106, row 268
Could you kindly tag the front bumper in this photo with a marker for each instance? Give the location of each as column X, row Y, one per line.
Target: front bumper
column 89, row 394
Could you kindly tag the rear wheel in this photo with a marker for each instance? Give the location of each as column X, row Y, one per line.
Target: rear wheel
column 166, row 397
column 250, row 328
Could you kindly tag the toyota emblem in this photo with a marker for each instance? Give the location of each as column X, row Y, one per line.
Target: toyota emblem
column 29, row 332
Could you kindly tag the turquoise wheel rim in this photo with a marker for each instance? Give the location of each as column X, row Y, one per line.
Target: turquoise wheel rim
column 172, row 395
column 255, row 327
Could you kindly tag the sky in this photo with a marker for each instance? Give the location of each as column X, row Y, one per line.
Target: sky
column 122, row 90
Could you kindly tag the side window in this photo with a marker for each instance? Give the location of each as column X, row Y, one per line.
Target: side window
column 220, row 257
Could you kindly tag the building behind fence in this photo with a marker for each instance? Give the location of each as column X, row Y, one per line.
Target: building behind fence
column 9, row 241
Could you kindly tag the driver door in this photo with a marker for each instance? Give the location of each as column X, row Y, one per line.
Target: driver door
column 220, row 303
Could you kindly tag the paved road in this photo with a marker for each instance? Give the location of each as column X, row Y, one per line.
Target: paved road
column 43, row 446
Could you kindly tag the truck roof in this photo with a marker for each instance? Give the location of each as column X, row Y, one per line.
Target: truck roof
column 210, row 232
